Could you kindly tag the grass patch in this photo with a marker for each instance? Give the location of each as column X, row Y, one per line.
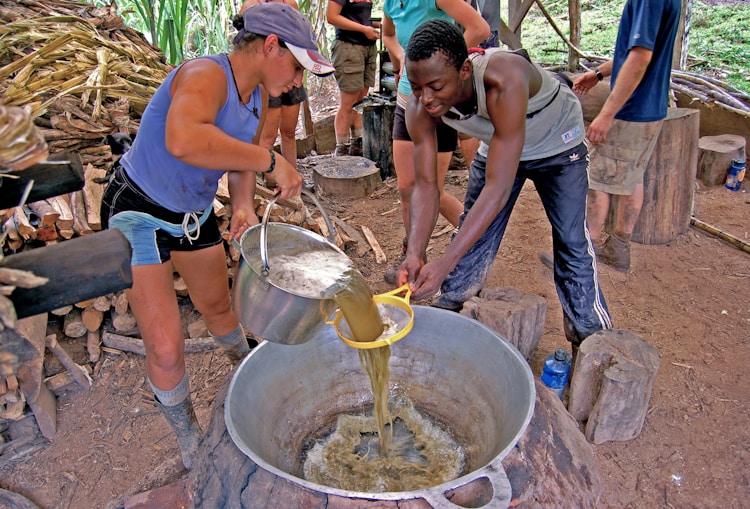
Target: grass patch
column 719, row 42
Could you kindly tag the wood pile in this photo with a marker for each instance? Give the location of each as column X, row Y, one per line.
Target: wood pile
column 81, row 74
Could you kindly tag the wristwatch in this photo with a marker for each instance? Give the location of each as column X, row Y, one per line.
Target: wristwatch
column 598, row 74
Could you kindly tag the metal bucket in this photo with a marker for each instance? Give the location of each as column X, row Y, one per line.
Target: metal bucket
column 454, row 369
column 268, row 310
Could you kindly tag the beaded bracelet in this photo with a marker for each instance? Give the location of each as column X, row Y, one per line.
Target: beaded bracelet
column 272, row 166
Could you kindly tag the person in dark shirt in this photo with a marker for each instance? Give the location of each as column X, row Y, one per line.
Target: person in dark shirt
column 355, row 59
column 625, row 131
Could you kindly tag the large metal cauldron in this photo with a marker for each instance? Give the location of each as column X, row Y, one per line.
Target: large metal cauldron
column 454, row 369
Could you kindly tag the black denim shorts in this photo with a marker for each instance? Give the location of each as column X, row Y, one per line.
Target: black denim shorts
column 123, row 195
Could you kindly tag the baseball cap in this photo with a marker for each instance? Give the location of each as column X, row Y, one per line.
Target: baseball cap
column 290, row 26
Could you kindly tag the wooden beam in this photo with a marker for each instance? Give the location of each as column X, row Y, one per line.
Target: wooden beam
column 60, row 174
column 77, row 269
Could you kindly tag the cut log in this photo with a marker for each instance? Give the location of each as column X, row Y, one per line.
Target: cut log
column 135, row 345
column 515, row 315
column 124, row 322
column 57, row 382
column 102, row 303
column 669, row 181
column 120, row 302
column 44, row 408
column 23, row 226
column 377, row 127
column 77, row 269
column 73, row 326
column 611, row 385
column 92, row 196
column 76, row 371
column 716, row 155
column 93, row 345
column 379, row 254
column 47, row 214
column 61, row 204
column 78, row 207
column 362, row 245
column 92, row 318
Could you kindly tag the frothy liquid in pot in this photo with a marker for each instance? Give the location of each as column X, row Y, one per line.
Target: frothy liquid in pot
column 422, row 454
column 312, row 274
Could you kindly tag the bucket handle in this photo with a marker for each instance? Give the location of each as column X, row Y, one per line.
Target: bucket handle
column 494, row 472
column 264, row 235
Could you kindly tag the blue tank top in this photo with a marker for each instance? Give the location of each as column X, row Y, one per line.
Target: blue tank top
column 173, row 184
column 407, row 15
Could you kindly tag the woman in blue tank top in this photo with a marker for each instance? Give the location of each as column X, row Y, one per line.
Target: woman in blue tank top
column 202, row 123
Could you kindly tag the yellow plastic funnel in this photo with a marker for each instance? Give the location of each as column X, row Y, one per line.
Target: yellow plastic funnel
column 397, row 315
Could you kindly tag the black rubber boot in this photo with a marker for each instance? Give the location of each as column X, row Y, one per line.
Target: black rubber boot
column 181, row 417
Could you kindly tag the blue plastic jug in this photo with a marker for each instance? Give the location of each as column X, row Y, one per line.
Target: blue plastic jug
column 557, row 371
column 736, row 175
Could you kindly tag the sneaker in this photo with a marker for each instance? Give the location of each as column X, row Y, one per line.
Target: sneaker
column 342, row 149
column 547, row 259
column 616, row 253
column 355, row 148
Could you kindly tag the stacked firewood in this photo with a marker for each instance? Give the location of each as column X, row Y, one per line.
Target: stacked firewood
column 83, row 75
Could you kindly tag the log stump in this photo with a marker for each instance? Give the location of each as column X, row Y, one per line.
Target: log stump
column 344, row 176
column 716, row 155
column 515, row 315
column 611, row 385
column 668, row 181
column 377, row 131
column 551, row 465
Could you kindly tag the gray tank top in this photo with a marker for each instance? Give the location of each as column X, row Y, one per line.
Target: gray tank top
column 554, row 119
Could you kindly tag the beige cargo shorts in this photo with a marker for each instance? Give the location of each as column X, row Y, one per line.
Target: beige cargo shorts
column 617, row 166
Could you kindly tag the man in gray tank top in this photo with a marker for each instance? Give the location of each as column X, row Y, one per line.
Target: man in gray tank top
column 531, row 127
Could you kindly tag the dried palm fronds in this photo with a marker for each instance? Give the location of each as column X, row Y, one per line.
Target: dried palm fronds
column 21, row 142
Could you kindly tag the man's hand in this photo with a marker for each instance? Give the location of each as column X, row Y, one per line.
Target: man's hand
column 428, row 282
column 598, row 129
column 585, row 82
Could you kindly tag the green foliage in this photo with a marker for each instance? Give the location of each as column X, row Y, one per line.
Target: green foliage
column 719, row 43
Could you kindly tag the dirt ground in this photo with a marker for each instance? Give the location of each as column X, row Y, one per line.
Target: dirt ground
column 690, row 298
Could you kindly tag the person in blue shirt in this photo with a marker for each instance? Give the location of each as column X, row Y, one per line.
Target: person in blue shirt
column 202, row 122
column 624, row 133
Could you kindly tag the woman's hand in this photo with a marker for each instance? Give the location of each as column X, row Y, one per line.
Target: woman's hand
column 288, row 180
column 242, row 218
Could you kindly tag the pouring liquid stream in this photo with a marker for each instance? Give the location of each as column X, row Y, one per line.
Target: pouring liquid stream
column 395, row 449
column 365, row 323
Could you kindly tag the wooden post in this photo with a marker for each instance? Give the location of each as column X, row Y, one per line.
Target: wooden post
column 377, row 128
column 574, row 15
column 669, row 181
